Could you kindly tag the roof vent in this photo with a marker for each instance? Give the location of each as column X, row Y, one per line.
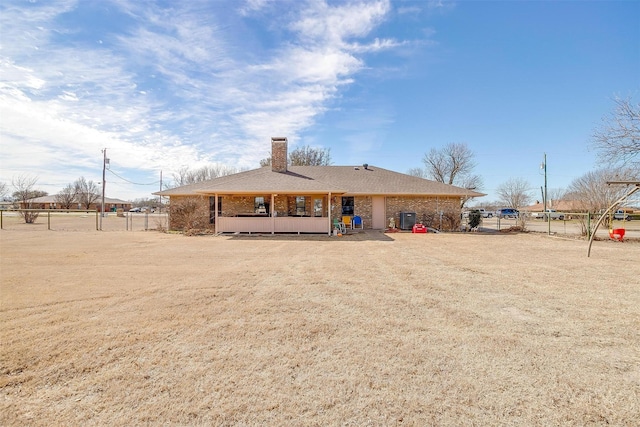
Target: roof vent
column 356, row 168
column 366, row 166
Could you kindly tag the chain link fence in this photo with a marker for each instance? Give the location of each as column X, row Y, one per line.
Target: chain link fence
column 81, row 220
column 577, row 224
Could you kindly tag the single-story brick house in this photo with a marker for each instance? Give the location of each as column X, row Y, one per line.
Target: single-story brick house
column 306, row 199
column 50, row 202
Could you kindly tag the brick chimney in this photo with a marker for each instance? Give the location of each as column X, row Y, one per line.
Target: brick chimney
column 279, row 154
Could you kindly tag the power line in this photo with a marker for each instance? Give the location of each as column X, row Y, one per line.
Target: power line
column 131, row 182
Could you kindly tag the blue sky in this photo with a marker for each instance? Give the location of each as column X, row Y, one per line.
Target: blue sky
column 168, row 84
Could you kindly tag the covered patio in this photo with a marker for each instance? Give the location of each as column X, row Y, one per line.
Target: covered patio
column 282, row 212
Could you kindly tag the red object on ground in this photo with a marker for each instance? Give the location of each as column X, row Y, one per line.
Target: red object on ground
column 419, row 228
column 617, row 234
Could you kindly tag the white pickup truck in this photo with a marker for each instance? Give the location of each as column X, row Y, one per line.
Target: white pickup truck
column 621, row 215
column 549, row 213
column 483, row 213
column 486, row 214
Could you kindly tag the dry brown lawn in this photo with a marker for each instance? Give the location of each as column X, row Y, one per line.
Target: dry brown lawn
column 143, row 328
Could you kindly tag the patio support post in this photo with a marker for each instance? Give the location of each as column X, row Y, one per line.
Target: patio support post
column 216, row 223
column 272, row 214
column 329, row 212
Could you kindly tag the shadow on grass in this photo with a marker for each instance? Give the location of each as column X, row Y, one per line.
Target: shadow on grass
column 350, row 236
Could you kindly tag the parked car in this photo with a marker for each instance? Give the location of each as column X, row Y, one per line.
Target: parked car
column 550, row 213
column 507, row 213
column 621, row 215
column 484, row 213
column 135, row 210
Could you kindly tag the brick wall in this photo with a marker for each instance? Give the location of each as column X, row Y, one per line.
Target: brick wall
column 427, row 210
column 232, row 205
column 363, row 207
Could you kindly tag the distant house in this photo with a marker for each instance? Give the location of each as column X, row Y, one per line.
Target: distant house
column 49, row 202
column 558, row 205
column 306, row 199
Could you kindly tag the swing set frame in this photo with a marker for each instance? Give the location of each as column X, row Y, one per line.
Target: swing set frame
column 636, row 187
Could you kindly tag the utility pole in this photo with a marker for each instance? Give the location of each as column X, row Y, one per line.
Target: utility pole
column 544, row 196
column 104, row 182
column 160, row 195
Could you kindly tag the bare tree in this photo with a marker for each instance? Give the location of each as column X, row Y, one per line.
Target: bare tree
column 4, row 190
column 617, row 139
column 86, row 192
column 182, row 177
column 515, row 193
column 453, row 164
column 449, row 164
column 305, row 156
column 34, row 194
column 66, row 197
column 417, row 172
column 554, row 195
column 593, row 193
column 186, row 176
column 265, row 162
column 24, row 193
column 308, row 156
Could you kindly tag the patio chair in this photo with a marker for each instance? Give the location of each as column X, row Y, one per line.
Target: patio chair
column 346, row 220
column 357, row 222
column 338, row 225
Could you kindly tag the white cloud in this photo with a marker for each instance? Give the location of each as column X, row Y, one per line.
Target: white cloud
column 377, row 45
column 173, row 88
column 251, row 6
column 324, row 24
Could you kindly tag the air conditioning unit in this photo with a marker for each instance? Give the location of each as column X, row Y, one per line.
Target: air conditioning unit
column 407, row 220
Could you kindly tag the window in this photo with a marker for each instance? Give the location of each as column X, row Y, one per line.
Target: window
column 317, row 207
column 212, row 207
column 300, row 205
column 347, row 205
column 259, row 206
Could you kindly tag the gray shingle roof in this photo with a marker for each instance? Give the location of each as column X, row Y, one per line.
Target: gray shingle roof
column 355, row 180
column 378, row 181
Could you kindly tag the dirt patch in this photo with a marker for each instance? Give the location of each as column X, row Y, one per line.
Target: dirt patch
column 131, row 328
